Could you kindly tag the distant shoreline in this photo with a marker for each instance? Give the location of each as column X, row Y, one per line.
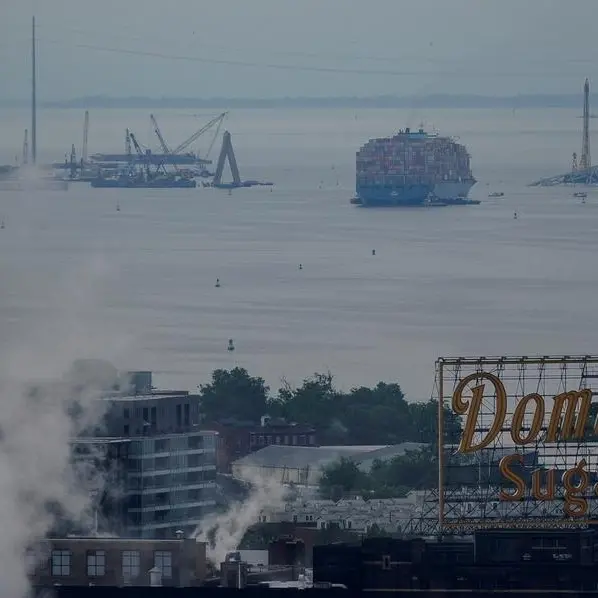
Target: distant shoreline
column 428, row 101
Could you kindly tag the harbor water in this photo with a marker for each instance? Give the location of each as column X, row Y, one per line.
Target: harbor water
column 80, row 278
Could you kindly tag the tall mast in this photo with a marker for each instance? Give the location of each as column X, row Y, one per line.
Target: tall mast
column 586, row 161
column 33, row 97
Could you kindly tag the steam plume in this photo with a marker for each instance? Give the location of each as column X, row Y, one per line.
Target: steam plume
column 223, row 532
column 39, row 391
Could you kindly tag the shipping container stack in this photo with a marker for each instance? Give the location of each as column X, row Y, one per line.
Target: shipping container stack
column 407, row 159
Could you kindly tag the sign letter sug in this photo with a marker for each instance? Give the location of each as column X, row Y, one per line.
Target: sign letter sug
column 568, row 421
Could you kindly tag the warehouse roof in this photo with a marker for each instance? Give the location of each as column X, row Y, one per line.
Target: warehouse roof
column 297, row 457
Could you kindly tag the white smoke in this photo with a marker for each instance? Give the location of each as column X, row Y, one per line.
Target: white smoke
column 39, row 388
column 224, row 531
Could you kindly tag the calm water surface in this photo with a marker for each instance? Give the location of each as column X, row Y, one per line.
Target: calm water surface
column 77, row 277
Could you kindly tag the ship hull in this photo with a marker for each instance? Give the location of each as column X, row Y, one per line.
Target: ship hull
column 409, row 195
column 127, row 184
column 451, row 190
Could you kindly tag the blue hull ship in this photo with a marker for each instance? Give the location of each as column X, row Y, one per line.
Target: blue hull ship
column 407, row 195
column 412, row 168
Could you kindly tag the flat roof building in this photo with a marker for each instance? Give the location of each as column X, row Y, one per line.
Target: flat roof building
column 160, row 466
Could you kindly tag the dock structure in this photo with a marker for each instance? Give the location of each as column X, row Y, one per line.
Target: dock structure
column 584, row 173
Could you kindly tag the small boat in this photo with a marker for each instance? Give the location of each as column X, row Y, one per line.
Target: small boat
column 461, row 201
column 582, row 194
column 496, row 194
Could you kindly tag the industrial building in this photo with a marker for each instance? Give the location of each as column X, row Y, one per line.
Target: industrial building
column 160, row 466
column 303, row 465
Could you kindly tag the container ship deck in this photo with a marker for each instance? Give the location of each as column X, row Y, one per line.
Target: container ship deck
column 413, row 168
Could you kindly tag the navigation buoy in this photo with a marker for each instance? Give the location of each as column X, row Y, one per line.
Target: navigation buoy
column 230, row 192
column 230, row 347
column 2, row 227
column 515, row 216
column 373, row 252
column 117, row 207
column 300, row 266
column 217, row 285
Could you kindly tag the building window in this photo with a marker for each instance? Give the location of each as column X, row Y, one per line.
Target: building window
column 312, row 440
column 61, row 562
column 163, row 560
column 386, row 562
column 131, row 564
column 146, row 414
column 161, row 445
column 179, row 416
column 154, row 416
column 96, row 563
column 302, row 440
column 126, row 414
column 187, row 415
column 195, row 442
column 126, row 429
column 261, row 440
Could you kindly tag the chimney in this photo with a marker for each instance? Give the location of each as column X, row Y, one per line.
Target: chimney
column 155, row 577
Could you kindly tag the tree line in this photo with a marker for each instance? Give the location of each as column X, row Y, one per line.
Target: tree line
column 376, row 415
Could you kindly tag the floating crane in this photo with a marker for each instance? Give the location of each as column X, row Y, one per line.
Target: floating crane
column 162, row 141
column 183, row 146
column 180, row 148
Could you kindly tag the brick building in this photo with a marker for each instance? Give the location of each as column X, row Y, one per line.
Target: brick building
column 117, row 562
column 237, row 439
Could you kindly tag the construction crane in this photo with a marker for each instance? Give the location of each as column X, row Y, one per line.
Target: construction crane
column 183, row 146
column 161, row 139
column 165, row 149
column 142, row 155
column 128, row 148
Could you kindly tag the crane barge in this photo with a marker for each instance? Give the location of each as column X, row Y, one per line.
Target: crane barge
column 139, row 174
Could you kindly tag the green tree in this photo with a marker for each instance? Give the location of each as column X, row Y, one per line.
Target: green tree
column 312, row 403
column 341, row 477
column 234, row 393
column 424, row 418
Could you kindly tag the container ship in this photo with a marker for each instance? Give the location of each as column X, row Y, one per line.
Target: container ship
column 413, row 168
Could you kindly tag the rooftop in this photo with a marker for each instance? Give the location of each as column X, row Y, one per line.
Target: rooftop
column 298, row 457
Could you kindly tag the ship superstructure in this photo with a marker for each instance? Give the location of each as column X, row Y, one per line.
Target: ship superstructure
column 412, row 168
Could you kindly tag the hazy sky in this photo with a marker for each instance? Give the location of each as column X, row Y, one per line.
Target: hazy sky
column 422, row 46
